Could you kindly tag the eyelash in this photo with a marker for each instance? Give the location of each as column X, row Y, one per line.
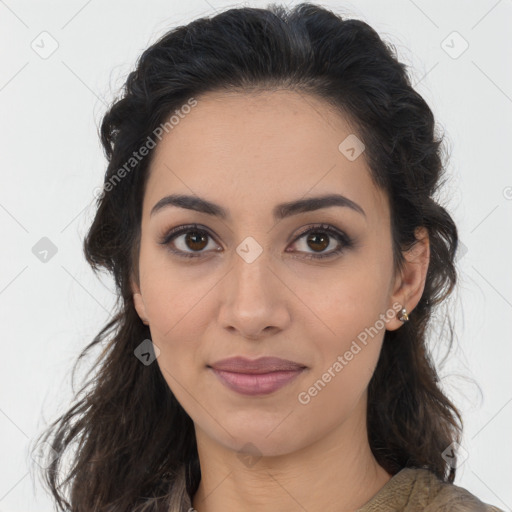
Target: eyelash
column 341, row 237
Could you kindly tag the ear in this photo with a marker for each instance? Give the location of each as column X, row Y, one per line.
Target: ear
column 139, row 302
column 410, row 280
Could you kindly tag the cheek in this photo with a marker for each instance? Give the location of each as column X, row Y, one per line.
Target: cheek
column 350, row 313
column 350, row 298
column 336, row 393
column 178, row 322
column 345, row 362
column 174, row 294
column 348, row 352
column 175, row 305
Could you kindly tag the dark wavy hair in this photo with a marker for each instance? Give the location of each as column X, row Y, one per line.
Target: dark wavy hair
column 135, row 446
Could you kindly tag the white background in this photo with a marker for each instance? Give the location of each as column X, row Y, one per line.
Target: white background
column 51, row 161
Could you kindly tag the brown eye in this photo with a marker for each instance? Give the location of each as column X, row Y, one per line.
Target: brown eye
column 187, row 241
column 319, row 238
column 196, row 240
column 318, row 241
column 190, row 241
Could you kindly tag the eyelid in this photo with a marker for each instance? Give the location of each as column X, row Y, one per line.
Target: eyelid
column 343, row 239
column 183, row 228
column 172, row 233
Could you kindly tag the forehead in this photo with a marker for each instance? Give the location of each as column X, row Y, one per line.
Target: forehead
column 257, row 149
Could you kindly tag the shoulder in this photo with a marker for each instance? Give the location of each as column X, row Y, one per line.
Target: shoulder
column 444, row 496
column 412, row 490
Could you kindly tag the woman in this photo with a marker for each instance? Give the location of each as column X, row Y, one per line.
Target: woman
column 268, row 216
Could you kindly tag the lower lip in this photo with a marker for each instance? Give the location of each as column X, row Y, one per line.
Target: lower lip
column 256, row 383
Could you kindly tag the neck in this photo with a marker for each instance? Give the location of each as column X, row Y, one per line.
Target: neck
column 337, row 473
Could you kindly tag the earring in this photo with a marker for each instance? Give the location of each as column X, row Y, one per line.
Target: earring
column 403, row 316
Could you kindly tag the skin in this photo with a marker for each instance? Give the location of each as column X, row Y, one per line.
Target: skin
column 248, row 152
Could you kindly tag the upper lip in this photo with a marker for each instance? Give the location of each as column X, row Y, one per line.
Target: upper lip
column 260, row 365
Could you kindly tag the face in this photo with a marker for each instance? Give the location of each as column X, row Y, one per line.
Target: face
column 311, row 286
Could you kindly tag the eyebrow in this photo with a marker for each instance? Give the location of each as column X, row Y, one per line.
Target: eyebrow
column 280, row 211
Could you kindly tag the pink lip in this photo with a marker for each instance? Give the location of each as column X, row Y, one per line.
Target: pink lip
column 256, row 377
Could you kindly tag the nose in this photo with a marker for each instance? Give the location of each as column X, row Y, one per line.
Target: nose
column 254, row 302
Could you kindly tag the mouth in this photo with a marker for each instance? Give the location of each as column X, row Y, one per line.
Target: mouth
column 256, row 377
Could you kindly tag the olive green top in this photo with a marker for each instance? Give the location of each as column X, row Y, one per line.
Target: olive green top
column 412, row 490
